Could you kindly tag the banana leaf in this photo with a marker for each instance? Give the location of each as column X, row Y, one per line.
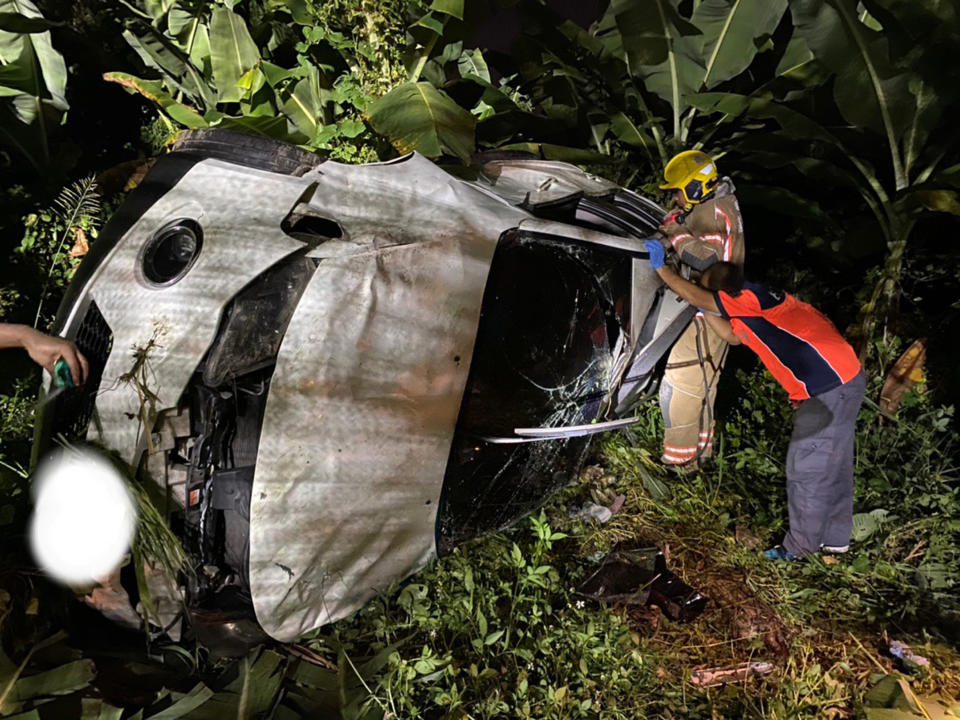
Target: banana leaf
column 154, row 91
column 97, row 709
column 548, row 151
column 18, row 77
column 185, row 704
column 277, row 75
column 922, row 36
column 869, row 91
column 157, row 55
column 16, row 690
column 453, row 8
column 33, row 76
column 251, row 695
column 198, row 49
column 417, row 116
column 184, row 19
column 29, row 142
column 273, row 127
column 730, row 31
column 625, row 129
column 796, row 56
column 59, row 681
column 232, row 52
column 50, row 70
column 304, row 106
column 795, row 124
column 659, row 48
column 472, row 64
column 949, row 176
column 936, row 200
column 14, row 22
column 158, row 9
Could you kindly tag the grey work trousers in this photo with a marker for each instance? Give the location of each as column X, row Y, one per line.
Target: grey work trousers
column 820, row 469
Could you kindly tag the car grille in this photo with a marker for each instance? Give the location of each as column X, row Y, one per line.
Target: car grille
column 74, row 406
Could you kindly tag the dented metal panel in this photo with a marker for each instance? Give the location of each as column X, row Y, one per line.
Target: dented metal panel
column 358, row 426
column 405, row 201
column 240, row 211
column 367, row 389
column 533, row 183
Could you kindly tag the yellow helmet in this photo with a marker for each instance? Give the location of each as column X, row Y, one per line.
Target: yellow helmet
column 693, row 173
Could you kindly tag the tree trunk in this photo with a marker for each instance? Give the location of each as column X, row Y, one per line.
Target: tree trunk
column 883, row 302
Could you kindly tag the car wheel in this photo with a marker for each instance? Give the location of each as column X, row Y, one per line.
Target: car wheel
column 241, row 148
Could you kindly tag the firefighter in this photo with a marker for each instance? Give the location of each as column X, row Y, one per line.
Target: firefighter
column 705, row 227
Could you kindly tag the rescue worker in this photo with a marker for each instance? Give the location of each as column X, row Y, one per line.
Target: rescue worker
column 45, row 350
column 822, row 375
column 705, row 228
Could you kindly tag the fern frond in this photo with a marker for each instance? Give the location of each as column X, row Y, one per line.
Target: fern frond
column 79, row 200
column 75, row 202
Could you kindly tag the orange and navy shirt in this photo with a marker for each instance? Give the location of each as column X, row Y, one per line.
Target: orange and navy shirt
column 796, row 342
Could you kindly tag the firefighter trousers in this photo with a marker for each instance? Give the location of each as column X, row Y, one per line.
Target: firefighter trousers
column 691, row 377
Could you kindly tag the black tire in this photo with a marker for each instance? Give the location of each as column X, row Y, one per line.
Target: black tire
column 253, row 151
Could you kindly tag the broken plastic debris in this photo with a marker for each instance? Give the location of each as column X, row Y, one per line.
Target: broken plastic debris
column 639, row 576
column 617, row 504
column 592, row 510
column 711, row 677
column 598, row 512
column 910, row 660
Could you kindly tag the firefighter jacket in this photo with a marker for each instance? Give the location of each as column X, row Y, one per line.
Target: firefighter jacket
column 711, row 232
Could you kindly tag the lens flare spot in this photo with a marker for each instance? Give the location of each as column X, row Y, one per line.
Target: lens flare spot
column 84, row 517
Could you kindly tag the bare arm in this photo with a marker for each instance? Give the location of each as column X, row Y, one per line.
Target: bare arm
column 722, row 328
column 45, row 350
column 693, row 294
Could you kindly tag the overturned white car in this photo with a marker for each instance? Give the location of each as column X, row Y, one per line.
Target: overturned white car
column 334, row 373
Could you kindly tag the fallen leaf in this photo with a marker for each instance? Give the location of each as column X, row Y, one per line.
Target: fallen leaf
column 80, row 244
column 746, row 538
column 906, row 372
column 617, row 504
column 710, row 677
column 835, row 713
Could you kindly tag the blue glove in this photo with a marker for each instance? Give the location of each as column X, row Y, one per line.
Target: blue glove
column 657, row 254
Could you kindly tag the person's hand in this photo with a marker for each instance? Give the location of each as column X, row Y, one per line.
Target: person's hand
column 45, row 350
column 657, row 254
column 671, row 222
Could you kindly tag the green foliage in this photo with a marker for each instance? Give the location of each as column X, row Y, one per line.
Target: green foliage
column 417, row 116
column 33, row 79
column 906, row 544
column 55, row 239
column 16, row 411
column 883, row 91
column 217, row 67
column 20, row 692
column 494, row 631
